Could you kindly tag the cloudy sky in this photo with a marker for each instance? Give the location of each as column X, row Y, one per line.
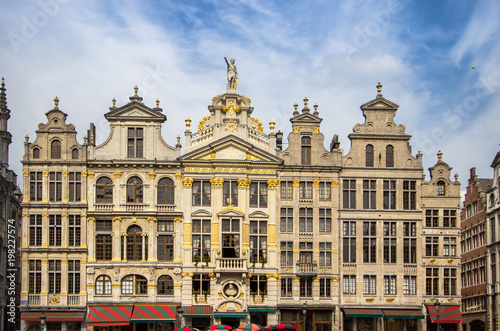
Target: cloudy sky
column 334, row 52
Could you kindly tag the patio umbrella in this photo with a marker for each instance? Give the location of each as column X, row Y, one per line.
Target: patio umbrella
column 220, row 327
column 283, row 327
column 265, row 328
column 249, row 327
column 185, row 328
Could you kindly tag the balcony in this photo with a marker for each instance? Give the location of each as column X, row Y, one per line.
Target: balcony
column 305, row 268
column 73, row 300
column 349, row 268
column 231, row 264
column 103, row 207
column 165, row 208
column 409, row 269
column 306, row 236
column 34, row 300
column 134, row 207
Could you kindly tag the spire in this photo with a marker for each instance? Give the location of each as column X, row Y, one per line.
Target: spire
column 3, row 97
column 379, row 90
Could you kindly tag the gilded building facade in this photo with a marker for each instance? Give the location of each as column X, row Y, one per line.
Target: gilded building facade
column 132, row 234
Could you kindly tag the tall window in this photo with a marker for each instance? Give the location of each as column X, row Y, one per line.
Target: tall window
column 36, row 186
column 36, row 153
column 305, row 219
column 410, row 285
column 349, row 238
column 389, row 156
column 389, row 194
column 74, row 277
column 450, row 281
column 432, row 281
column 104, row 247
column 231, row 237
column 286, row 188
column 103, row 285
column 134, row 243
column 410, row 242
column 75, row 230
column 389, row 242
column 432, row 217
column 432, row 246
column 165, row 240
column 349, row 193
column 165, row 285
column 258, row 241
column 287, row 253
column 449, row 218
column 286, row 287
column 201, row 193
column 440, row 187
column 369, row 156
column 325, row 190
column 258, row 195
column 306, row 252
column 306, row 150
column 325, row 254
column 104, row 190
column 325, row 290
column 134, row 190
column 230, row 193
column 55, row 149
column 369, row 242
column 201, row 284
column 75, row 186
column 55, row 186
column 74, row 153
column 305, row 190
column 286, row 220
column 258, row 285
column 369, row 194
column 409, row 194
column 325, row 220
column 305, row 287
column 54, row 276
column 35, row 276
column 135, row 142
column 349, row 284
column 35, row 230
column 166, row 191
column 390, row 285
column 449, row 246
column 201, row 240
column 55, row 230
column 369, row 285
column 134, row 285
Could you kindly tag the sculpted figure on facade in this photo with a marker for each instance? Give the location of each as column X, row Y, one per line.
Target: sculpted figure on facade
column 232, row 74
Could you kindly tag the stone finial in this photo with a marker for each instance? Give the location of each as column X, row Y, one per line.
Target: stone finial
column 3, row 95
column 419, row 151
column 178, row 142
column 136, row 89
column 439, row 155
column 56, row 102
column 271, row 125
column 295, row 112
column 379, row 90
column 456, row 177
column 26, row 138
column 84, row 139
column 188, row 123
column 114, row 102
column 157, row 103
column 315, row 109
column 305, row 109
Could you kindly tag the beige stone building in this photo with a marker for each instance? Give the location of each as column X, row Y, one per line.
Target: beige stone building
column 134, row 235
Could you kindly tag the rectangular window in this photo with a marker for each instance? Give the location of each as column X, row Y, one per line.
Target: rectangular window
column 54, row 276
column 389, row 194
column 410, row 285
column 349, row 284
column 201, row 193
column 36, row 186
column 135, row 142
column 201, row 240
column 325, row 254
column 55, row 230
column 390, row 285
column 103, row 225
column 75, row 230
column 258, row 241
column 231, row 238
column 369, row 242
column 35, row 276
column 325, row 290
column 410, row 194
column 305, row 220
column 35, row 230
column 286, row 287
column 369, row 194
column 286, row 190
column 432, row 246
column 165, row 242
column 349, row 238
column 287, row 253
column 325, row 190
column 74, row 277
column 450, row 281
column 410, row 242
column 305, row 190
column 325, row 220
column 432, row 281
column 165, row 226
column 75, row 186
column 306, row 252
column 432, row 218
column 286, row 220
column 55, row 186
column 305, row 287
column 370, row 285
column 258, row 194
column 349, row 193
column 230, row 193
column 389, row 242
column 450, row 246
column 201, row 285
column 449, row 218
column 258, row 285
column 104, row 247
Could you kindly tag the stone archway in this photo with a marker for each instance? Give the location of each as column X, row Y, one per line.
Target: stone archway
column 477, row 325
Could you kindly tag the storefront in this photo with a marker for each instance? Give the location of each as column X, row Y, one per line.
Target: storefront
column 366, row 319
column 154, row 317
column 315, row 318
column 232, row 319
column 54, row 320
column 105, row 318
column 402, row 319
column 199, row 317
column 259, row 315
column 448, row 317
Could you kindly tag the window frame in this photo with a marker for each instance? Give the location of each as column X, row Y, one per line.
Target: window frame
column 200, row 197
column 55, row 149
column 165, row 191
column 104, row 189
column 135, row 142
column 305, row 146
column 103, row 282
column 165, row 285
column 258, row 195
column 369, row 156
column 135, row 190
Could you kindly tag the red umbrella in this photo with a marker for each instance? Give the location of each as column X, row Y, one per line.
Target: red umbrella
column 185, row 328
column 283, row 326
column 249, row 327
column 219, row 327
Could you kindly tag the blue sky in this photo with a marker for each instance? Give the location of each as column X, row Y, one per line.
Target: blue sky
column 333, row 52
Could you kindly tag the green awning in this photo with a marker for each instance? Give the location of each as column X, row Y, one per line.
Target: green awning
column 230, row 314
column 261, row 310
column 197, row 311
column 408, row 314
column 363, row 312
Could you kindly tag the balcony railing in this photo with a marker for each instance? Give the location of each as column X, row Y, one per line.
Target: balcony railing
column 73, row 300
column 307, row 268
column 349, row 268
column 410, row 269
column 34, row 299
column 165, row 208
column 306, row 236
column 231, row 263
column 134, row 207
column 103, row 207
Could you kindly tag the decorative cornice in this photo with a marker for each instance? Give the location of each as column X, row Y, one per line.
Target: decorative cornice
column 187, row 182
column 216, row 182
column 231, row 207
column 244, row 182
column 273, row 183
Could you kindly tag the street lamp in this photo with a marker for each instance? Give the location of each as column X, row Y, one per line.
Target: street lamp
column 437, row 304
column 180, row 313
column 304, row 313
column 42, row 321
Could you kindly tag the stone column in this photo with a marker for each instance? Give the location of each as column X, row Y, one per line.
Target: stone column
column 83, row 282
column 91, row 239
column 65, row 187
column 65, row 232
column 187, row 244
column 44, row 298
column 243, row 202
column 83, row 232
column 272, row 184
column 116, row 241
column 86, row 186
column 45, row 186
column 177, row 239
column 25, row 229
column 117, row 191
column 124, row 257
column 152, row 253
column 216, row 195
column 45, row 230
column 143, row 253
column 64, row 280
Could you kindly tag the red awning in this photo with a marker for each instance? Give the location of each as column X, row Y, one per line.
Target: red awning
column 447, row 314
column 363, row 312
column 53, row 316
column 109, row 315
column 153, row 313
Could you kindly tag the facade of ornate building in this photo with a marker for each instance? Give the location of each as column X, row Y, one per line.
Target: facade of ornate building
column 134, row 235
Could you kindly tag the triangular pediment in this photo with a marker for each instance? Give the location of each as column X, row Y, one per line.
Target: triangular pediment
column 306, row 118
column 231, row 211
column 135, row 111
column 380, row 103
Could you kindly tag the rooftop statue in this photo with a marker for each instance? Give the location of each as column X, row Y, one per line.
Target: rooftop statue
column 232, row 75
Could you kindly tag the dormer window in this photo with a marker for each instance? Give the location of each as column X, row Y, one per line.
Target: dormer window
column 135, row 142
column 36, row 153
column 74, row 153
column 440, row 187
column 369, row 156
column 389, row 156
column 55, row 149
column 306, row 150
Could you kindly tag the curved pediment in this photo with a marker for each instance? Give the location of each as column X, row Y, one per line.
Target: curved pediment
column 258, row 214
column 201, row 213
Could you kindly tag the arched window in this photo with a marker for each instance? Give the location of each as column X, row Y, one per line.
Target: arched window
column 103, row 285
column 306, row 150
column 36, row 153
column 440, row 187
column 134, row 284
column 134, row 190
column 134, row 243
column 104, row 190
column 369, row 155
column 55, row 149
column 389, row 156
column 166, row 191
column 165, row 285
column 74, row 153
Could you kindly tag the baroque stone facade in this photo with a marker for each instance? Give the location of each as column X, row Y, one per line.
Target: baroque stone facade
column 236, row 229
